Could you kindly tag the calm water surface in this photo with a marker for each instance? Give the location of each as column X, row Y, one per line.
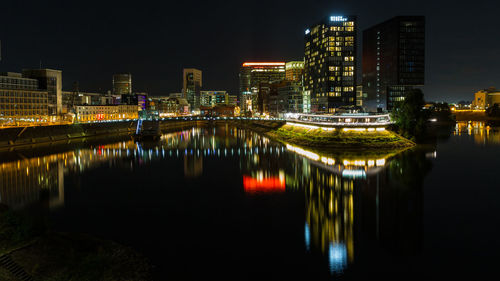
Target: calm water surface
column 221, row 203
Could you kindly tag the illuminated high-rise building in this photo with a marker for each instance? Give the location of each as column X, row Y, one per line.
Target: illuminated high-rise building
column 393, row 60
column 252, row 74
column 330, row 63
column 191, row 86
column 122, row 84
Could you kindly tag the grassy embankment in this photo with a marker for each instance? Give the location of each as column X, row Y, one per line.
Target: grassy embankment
column 62, row 256
column 337, row 141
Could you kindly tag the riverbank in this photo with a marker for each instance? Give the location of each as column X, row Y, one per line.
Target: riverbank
column 27, row 250
column 331, row 140
column 474, row 116
column 28, row 136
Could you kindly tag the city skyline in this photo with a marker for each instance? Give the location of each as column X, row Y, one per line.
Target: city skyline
column 156, row 55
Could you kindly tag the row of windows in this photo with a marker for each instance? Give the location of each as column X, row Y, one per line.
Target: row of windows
column 22, row 113
column 23, row 106
column 22, row 94
column 18, row 81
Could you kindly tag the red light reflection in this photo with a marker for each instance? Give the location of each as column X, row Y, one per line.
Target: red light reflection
column 272, row 184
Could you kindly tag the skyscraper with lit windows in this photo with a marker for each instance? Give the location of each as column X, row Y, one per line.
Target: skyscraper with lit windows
column 330, row 63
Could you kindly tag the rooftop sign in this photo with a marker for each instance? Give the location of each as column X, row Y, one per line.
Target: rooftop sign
column 337, row 18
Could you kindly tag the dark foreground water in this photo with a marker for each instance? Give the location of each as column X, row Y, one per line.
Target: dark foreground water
column 224, row 203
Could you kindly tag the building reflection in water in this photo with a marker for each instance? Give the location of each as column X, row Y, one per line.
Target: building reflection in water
column 482, row 132
column 347, row 199
column 23, row 181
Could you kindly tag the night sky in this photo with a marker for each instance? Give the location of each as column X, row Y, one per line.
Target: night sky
column 153, row 40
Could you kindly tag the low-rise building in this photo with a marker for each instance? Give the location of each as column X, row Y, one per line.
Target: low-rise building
column 21, row 101
column 93, row 113
column 23, row 107
column 233, row 100
column 486, row 98
column 219, row 111
column 170, row 107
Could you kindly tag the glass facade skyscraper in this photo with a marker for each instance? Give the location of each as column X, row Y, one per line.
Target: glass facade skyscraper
column 393, row 60
column 191, row 86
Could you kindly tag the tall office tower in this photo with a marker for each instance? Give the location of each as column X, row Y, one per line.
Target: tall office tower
column 191, row 86
column 330, row 64
column 294, row 71
column 122, row 84
column 51, row 81
column 393, row 60
column 252, row 74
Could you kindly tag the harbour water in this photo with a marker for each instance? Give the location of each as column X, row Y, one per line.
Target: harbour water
column 222, row 202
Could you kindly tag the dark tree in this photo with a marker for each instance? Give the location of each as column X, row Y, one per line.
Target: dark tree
column 410, row 115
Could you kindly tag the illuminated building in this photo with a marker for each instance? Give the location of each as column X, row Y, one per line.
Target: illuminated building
column 486, row 98
column 252, row 74
column 92, row 113
column 294, row 71
column 191, row 85
column 330, row 64
column 23, row 107
column 232, row 100
column 21, row 103
column 219, row 111
column 122, row 84
column 169, row 107
column 73, row 98
column 214, row 98
column 393, row 60
column 360, row 96
column 49, row 80
column 290, row 95
column 12, row 80
column 176, row 95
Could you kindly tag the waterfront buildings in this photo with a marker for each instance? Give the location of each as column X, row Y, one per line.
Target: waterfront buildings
column 49, row 80
column 486, row 98
column 93, row 113
column 393, row 60
column 252, row 74
column 330, row 64
column 219, row 111
column 191, row 86
column 21, row 102
column 172, row 106
column 74, row 98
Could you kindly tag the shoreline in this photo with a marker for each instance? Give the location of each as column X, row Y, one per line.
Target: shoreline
column 326, row 141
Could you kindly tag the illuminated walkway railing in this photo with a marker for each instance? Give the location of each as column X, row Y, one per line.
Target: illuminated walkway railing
column 362, row 120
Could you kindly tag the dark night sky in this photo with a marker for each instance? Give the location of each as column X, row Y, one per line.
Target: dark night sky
column 154, row 40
